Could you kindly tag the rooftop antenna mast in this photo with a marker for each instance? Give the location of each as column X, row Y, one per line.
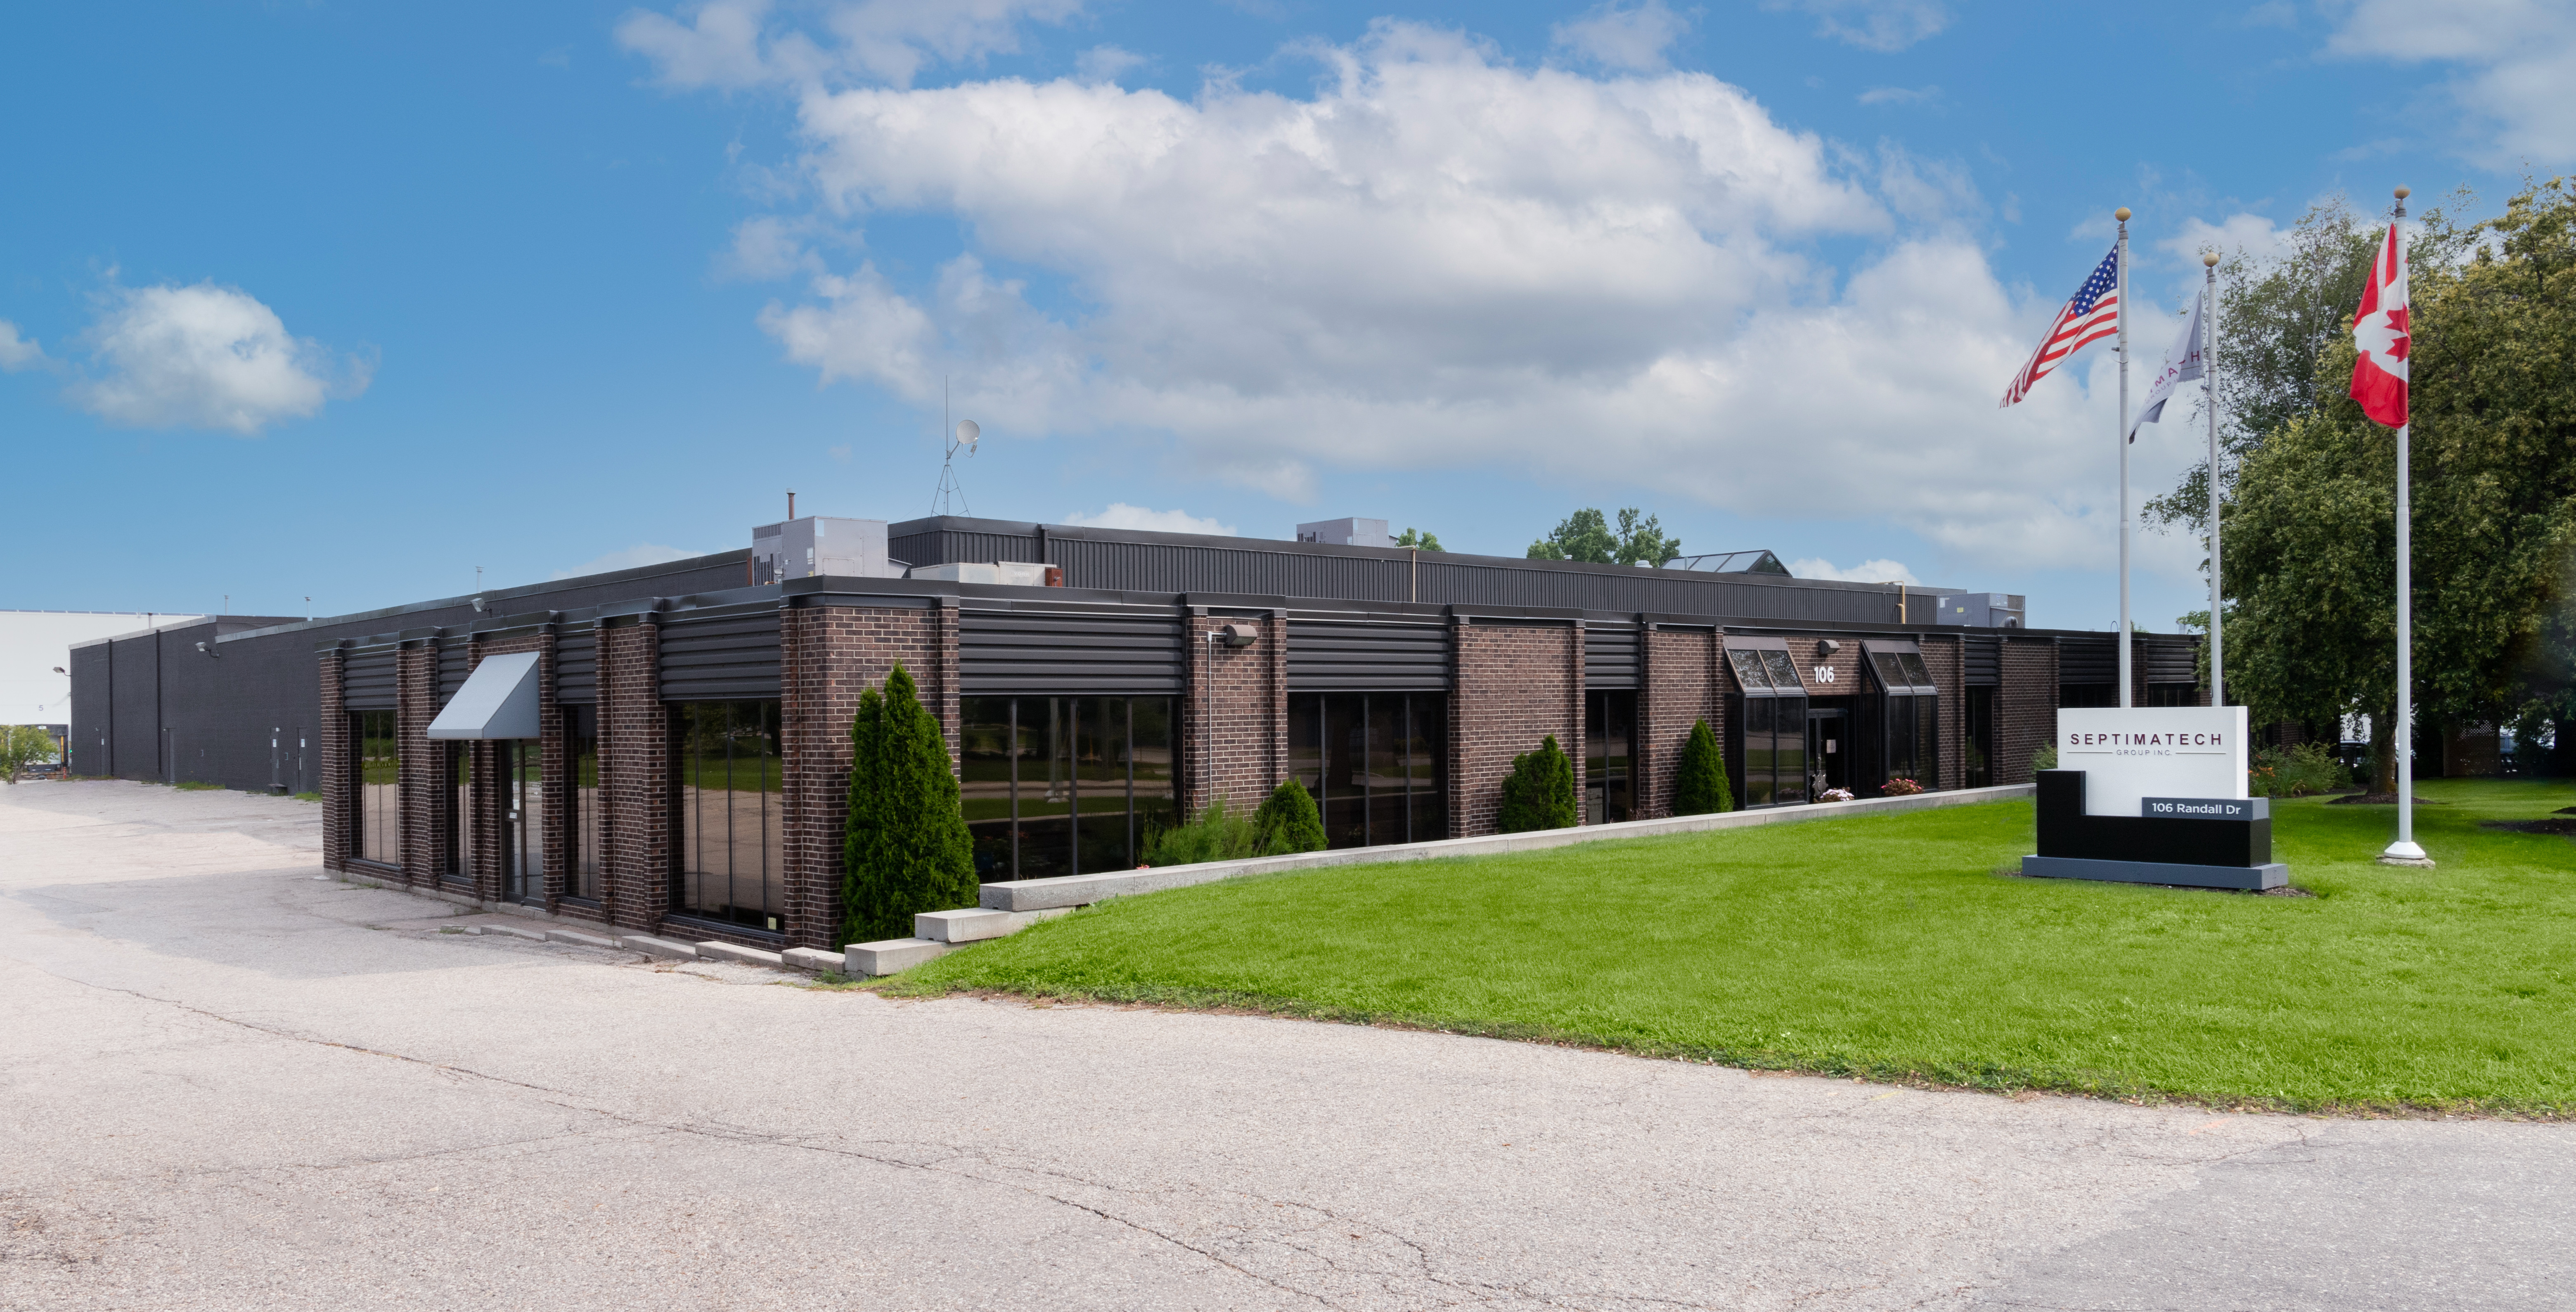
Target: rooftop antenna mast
column 963, row 435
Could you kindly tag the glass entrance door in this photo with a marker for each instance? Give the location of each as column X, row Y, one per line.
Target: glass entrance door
column 523, row 850
column 1829, row 751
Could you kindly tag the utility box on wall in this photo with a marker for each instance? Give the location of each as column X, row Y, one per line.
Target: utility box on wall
column 805, row 548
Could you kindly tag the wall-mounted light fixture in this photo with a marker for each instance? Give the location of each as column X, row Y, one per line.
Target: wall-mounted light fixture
column 205, row 649
column 1828, row 647
column 478, row 605
column 1238, row 635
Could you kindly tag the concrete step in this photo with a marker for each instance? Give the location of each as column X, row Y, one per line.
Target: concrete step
column 886, row 956
column 579, row 938
column 975, row 924
column 532, row 933
column 814, row 959
column 657, row 947
column 719, row 950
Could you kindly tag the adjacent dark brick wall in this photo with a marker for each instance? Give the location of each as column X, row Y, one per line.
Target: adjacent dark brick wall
column 1942, row 656
column 331, row 737
column 2025, row 707
column 828, row 656
column 634, row 778
column 1516, row 684
column 1234, row 739
column 1678, row 688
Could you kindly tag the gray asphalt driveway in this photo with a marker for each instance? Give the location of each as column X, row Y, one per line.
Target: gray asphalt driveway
column 225, row 1083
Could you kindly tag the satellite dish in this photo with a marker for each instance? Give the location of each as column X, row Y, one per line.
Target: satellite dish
column 967, row 432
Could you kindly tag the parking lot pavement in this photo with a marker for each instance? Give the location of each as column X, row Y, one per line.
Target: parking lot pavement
column 226, row 1083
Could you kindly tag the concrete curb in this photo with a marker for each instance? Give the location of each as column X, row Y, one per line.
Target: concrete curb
column 1065, row 891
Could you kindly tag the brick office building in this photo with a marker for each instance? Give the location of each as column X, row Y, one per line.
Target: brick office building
column 682, row 750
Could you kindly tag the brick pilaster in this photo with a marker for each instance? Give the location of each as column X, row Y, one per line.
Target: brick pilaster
column 634, row 777
column 1515, row 685
column 1234, row 738
column 334, row 779
column 1676, row 689
column 2025, row 707
column 829, row 655
column 415, row 705
column 1942, row 655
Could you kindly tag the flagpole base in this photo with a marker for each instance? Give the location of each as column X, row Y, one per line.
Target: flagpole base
column 2403, row 853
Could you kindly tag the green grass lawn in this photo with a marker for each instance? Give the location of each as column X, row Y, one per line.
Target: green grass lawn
column 1889, row 947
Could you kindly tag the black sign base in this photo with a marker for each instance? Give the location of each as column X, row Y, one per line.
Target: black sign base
column 2272, row 875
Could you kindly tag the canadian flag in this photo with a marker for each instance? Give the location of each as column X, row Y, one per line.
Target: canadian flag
column 2379, row 329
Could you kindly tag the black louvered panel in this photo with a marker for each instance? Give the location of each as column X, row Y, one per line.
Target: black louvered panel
column 2087, row 660
column 728, row 658
column 577, row 666
column 1069, row 652
column 2171, row 660
column 1610, row 655
column 1984, row 659
column 368, row 682
column 1342, row 655
column 455, row 662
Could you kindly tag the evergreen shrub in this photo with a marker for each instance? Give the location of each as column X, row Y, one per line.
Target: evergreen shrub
column 1288, row 821
column 906, row 848
column 1702, row 787
column 1214, row 834
column 1539, row 792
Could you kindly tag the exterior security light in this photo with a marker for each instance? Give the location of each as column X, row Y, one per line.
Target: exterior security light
column 478, row 605
column 205, row 649
column 1239, row 635
column 1828, row 647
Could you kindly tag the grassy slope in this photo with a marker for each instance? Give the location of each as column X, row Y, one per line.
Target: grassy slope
column 1887, row 946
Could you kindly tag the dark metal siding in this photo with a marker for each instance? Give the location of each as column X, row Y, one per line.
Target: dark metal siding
column 369, row 683
column 1157, row 567
column 91, row 708
column 1347, row 655
column 1984, row 662
column 577, row 666
column 1609, row 655
column 455, row 663
column 945, row 546
column 2086, row 661
column 723, row 658
column 2171, row 661
column 1049, row 650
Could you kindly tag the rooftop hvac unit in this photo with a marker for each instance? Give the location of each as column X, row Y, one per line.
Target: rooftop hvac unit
column 1346, row 533
column 805, row 548
column 1007, row 573
column 1983, row 610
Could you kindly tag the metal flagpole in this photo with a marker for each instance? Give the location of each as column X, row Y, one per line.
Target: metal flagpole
column 2209, row 379
column 2122, row 435
column 2405, row 850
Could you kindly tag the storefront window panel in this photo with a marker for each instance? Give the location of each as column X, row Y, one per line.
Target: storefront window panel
column 728, row 775
column 377, row 786
column 1386, row 781
column 581, row 743
column 1758, row 724
column 460, row 814
column 1426, row 747
column 1789, row 781
column 1609, row 730
column 988, row 742
column 1066, row 785
column 1978, row 752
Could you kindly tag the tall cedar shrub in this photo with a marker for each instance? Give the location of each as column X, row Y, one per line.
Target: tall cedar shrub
column 1539, row 793
column 1702, row 788
column 1288, row 821
column 906, row 848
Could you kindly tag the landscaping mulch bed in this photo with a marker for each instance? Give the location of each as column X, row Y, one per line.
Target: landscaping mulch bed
column 2376, row 799
column 2567, row 827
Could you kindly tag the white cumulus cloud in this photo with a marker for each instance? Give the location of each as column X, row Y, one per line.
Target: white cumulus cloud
column 1868, row 571
column 1439, row 261
column 1121, row 515
column 1632, row 36
column 2517, row 59
column 732, row 44
column 206, row 357
column 18, row 352
column 1882, row 25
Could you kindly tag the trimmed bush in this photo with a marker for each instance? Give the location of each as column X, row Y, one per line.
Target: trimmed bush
column 1702, row 788
column 906, row 849
column 1214, row 834
column 1539, row 793
column 1288, row 821
column 2044, row 759
column 2301, row 771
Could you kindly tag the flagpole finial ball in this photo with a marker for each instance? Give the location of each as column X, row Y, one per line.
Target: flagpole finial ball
column 2404, row 192
column 2209, row 259
column 2122, row 214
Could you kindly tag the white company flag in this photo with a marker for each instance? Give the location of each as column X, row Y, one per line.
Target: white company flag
column 2183, row 363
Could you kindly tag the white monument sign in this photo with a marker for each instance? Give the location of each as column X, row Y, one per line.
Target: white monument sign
column 2153, row 751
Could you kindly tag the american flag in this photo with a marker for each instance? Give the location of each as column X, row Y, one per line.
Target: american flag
column 2092, row 315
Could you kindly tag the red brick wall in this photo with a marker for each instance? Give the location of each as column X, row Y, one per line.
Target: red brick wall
column 1943, row 656
column 1235, row 720
column 333, row 781
column 828, row 656
column 1516, row 684
column 1678, row 687
column 634, row 778
column 415, row 705
column 2025, row 707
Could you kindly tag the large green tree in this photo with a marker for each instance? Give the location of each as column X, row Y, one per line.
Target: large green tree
column 905, row 849
column 2310, row 529
column 1586, row 535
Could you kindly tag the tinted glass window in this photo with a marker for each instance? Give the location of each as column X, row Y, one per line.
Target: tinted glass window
column 1915, row 671
column 377, row 788
column 1784, row 672
column 1748, row 670
column 727, row 778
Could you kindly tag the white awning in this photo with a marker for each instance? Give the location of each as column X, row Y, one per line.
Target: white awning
column 499, row 700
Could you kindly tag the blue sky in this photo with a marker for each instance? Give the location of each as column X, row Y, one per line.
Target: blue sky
column 344, row 301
